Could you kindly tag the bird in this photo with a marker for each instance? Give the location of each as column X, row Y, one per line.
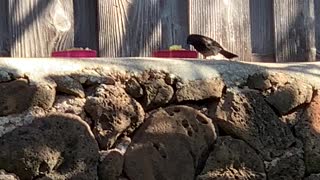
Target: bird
column 208, row 47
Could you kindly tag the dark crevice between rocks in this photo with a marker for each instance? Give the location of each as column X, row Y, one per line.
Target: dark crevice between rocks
column 273, row 108
column 203, row 161
column 124, row 174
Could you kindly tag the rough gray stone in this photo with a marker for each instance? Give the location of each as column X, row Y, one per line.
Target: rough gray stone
column 58, row 146
column 229, row 153
column 15, row 97
column 259, row 81
column 18, row 96
column 293, row 118
column 308, row 130
column 288, row 166
column 71, row 104
column 114, row 112
column 7, row 176
column 171, row 144
column 231, row 173
column 157, row 93
column 200, row 90
column 44, row 95
column 68, row 85
column 313, row 177
column 93, row 78
column 10, row 122
column 133, row 88
column 111, row 166
column 4, row 76
column 245, row 114
column 290, row 96
column 112, row 161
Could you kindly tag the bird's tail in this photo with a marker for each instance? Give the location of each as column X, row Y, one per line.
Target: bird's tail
column 228, row 54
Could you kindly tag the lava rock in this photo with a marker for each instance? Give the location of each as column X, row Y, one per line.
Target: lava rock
column 7, row 176
column 133, row 88
column 259, row 81
column 308, row 130
column 114, row 112
column 229, row 153
column 5, row 76
column 58, row 146
column 245, row 114
column 68, row 85
column 200, row 90
column 157, row 93
column 288, row 166
column 11, row 122
column 172, row 144
column 290, row 96
column 18, row 96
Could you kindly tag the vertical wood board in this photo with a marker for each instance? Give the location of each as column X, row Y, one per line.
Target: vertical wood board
column 226, row 21
column 4, row 29
column 294, row 26
column 85, row 24
column 39, row 27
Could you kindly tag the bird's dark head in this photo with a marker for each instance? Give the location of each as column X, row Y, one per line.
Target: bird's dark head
column 197, row 38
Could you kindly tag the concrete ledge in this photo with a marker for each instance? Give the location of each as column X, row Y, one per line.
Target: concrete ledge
column 231, row 71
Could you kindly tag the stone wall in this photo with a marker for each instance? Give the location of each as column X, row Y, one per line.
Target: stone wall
column 158, row 124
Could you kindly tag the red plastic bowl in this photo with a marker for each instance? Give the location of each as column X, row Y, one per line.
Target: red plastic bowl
column 75, row 53
column 175, row 54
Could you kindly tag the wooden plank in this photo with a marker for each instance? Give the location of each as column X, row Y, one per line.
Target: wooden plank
column 4, row 30
column 294, row 28
column 138, row 27
column 226, row 21
column 262, row 32
column 85, row 24
column 38, row 27
column 174, row 22
column 317, row 24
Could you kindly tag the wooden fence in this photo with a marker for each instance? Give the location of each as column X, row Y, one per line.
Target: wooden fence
column 257, row 30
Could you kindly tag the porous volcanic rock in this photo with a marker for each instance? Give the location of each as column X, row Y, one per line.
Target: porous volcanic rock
column 11, row 122
column 290, row 96
column 113, row 112
column 5, row 76
column 18, row 96
column 44, row 95
column 7, row 176
column 313, row 177
column 156, row 93
column 200, row 90
column 229, row 153
column 288, row 166
column 69, row 85
column 308, row 130
column 111, row 166
column 59, row 146
column 246, row 115
column 259, row 81
column 172, row 144
column 133, row 88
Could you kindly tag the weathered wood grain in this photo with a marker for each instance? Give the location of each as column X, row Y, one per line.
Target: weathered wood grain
column 262, row 33
column 4, row 29
column 38, row 27
column 174, row 22
column 317, row 23
column 294, row 26
column 85, row 24
column 226, row 21
column 139, row 27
